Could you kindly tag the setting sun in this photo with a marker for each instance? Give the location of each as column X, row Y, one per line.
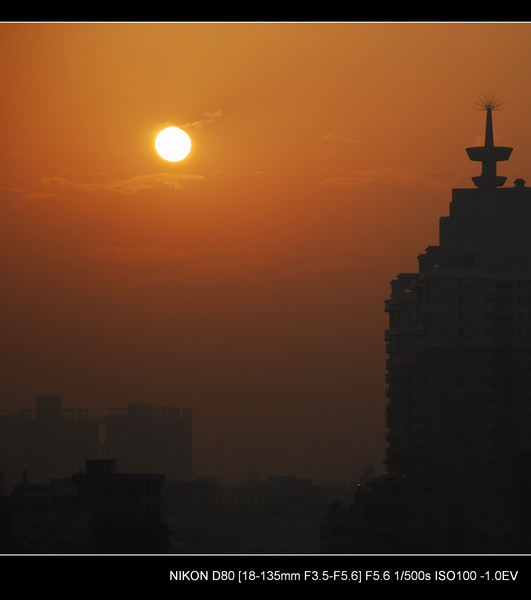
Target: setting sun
column 173, row 144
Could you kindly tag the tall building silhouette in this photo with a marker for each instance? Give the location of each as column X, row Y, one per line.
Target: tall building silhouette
column 459, row 337
column 458, row 410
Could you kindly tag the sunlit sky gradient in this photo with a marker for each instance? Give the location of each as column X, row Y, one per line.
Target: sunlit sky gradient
column 248, row 280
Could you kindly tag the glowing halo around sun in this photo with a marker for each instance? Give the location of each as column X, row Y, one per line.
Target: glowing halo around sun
column 173, row 144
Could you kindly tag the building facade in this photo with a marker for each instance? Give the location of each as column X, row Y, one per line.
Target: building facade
column 459, row 377
column 458, row 411
column 459, row 336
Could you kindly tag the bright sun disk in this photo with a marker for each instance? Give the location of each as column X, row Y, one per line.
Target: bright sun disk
column 173, row 144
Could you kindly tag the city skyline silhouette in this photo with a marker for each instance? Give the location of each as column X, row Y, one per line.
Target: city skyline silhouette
column 458, row 417
column 246, row 282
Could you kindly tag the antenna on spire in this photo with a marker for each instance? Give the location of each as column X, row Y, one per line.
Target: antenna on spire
column 489, row 101
column 489, row 154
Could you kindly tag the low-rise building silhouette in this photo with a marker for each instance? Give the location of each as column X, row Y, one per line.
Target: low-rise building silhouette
column 97, row 511
column 278, row 515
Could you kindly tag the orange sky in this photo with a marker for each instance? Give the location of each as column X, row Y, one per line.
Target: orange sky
column 247, row 281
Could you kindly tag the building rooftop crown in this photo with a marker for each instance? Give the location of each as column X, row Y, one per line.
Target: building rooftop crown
column 489, row 154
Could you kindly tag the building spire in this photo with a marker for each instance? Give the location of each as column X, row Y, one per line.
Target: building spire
column 489, row 154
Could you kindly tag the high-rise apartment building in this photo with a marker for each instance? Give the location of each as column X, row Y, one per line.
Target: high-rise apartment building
column 458, row 410
column 459, row 336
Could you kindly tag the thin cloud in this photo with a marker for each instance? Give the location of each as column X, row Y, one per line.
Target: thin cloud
column 148, row 254
column 334, row 137
column 151, row 263
column 430, row 177
column 133, row 185
column 354, row 179
column 208, row 119
column 253, row 263
column 22, row 193
column 38, row 195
